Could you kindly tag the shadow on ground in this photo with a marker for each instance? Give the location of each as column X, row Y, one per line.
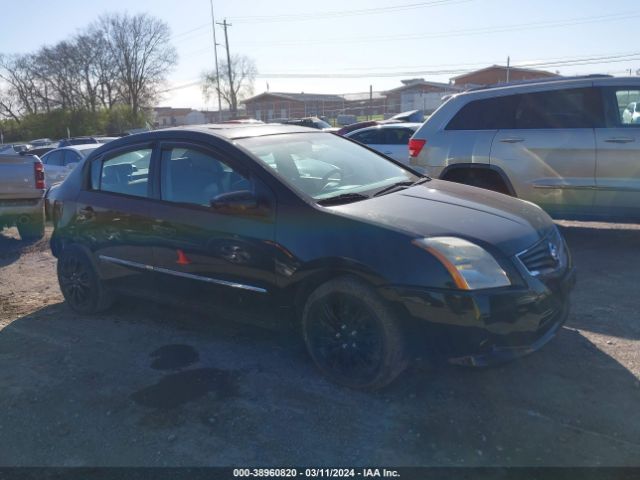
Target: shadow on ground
column 12, row 248
column 88, row 391
column 606, row 297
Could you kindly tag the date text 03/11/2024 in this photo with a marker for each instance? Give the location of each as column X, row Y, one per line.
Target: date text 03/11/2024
column 315, row 473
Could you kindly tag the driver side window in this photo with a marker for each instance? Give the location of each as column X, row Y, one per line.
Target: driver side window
column 195, row 177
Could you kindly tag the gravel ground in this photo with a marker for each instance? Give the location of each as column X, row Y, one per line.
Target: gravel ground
column 150, row 386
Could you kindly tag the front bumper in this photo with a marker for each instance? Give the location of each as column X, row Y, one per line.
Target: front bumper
column 484, row 327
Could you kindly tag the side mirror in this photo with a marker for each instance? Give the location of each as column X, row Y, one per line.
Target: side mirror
column 241, row 201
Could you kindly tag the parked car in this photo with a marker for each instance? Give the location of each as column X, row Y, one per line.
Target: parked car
column 563, row 144
column 60, row 161
column 12, row 149
column 631, row 114
column 38, row 151
column 391, row 139
column 66, row 142
column 312, row 122
column 243, row 121
column 413, row 116
column 22, row 186
column 40, row 142
column 375, row 262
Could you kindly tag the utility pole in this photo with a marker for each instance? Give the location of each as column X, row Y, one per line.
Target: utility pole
column 508, row 67
column 215, row 55
column 232, row 92
column 370, row 102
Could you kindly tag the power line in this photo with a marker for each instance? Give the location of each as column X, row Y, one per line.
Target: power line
column 342, row 13
column 548, row 63
column 457, row 33
column 323, row 15
column 453, row 71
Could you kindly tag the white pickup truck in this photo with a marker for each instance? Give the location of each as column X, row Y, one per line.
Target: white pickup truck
column 22, row 189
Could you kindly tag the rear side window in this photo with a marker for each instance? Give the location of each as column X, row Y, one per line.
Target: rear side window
column 71, row 157
column 54, row 158
column 127, row 173
column 398, row 136
column 487, row 114
column 573, row 108
column 370, row 137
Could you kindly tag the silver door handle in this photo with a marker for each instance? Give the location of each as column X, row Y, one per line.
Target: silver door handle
column 512, row 140
column 620, row 140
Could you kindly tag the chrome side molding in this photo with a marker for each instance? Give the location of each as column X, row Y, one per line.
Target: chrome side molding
column 166, row 271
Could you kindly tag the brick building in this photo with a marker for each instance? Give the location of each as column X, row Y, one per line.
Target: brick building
column 498, row 74
column 417, row 94
column 274, row 105
column 173, row 117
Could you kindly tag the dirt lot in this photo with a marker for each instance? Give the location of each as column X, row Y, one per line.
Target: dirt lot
column 153, row 386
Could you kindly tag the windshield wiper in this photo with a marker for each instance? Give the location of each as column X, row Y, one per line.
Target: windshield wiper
column 401, row 184
column 342, row 198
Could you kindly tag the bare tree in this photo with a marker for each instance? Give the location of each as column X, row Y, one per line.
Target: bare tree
column 21, row 87
column 243, row 74
column 142, row 55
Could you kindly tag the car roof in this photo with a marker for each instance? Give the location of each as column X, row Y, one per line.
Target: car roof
column 233, row 131
column 225, row 131
column 541, row 85
column 82, row 146
column 550, row 84
column 413, row 125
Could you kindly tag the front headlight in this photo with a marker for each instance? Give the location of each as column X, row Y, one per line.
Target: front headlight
column 470, row 265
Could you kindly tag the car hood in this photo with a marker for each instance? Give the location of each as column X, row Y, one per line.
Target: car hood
column 439, row 208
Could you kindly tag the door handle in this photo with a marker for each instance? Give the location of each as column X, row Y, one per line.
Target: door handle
column 620, row 140
column 387, row 153
column 512, row 140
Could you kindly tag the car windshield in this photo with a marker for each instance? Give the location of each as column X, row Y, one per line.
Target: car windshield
column 323, row 165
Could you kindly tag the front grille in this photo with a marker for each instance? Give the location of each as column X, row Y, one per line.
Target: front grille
column 545, row 256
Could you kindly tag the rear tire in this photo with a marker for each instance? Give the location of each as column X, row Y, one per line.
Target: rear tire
column 352, row 336
column 33, row 229
column 80, row 284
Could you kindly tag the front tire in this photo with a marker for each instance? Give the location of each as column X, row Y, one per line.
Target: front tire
column 352, row 336
column 80, row 284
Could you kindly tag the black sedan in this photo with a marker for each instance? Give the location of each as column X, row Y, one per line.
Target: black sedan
column 375, row 262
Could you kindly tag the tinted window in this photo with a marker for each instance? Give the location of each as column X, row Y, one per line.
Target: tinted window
column 488, row 114
column 575, row 108
column 192, row 176
column 127, row 173
column 398, row 136
column 54, row 158
column 71, row 157
column 369, row 137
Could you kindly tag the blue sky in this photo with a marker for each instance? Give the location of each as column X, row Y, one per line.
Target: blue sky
column 401, row 37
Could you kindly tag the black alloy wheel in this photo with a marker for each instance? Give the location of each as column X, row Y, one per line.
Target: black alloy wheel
column 352, row 337
column 79, row 282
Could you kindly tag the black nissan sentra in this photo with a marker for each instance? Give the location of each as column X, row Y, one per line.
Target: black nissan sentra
column 376, row 263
